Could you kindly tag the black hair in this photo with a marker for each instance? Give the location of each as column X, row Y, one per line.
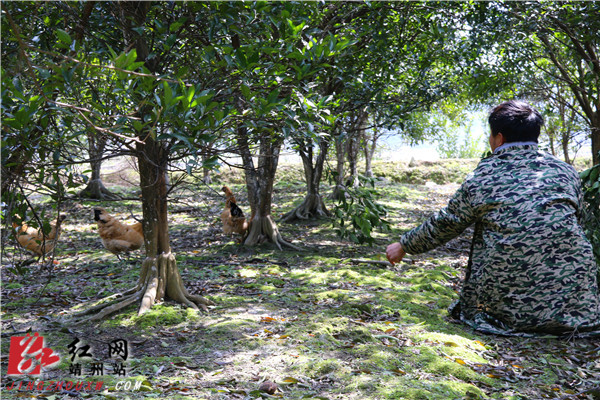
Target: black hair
column 517, row 121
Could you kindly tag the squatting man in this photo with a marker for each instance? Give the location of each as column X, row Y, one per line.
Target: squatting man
column 531, row 268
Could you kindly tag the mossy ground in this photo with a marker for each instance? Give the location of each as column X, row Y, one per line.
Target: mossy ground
column 316, row 322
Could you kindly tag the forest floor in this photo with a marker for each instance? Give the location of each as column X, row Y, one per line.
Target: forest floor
column 320, row 323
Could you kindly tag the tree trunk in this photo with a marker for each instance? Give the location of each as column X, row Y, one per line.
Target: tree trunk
column 565, row 149
column 551, row 134
column 352, row 148
column 368, row 161
column 369, row 150
column 207, row 152
column 206, row 176
column 596, row 143
column 159, row 276
column 95, row 189
column 259, row 182
column 340, row 154
column 586, row 101
column 357, row 132
column 313, row 205
column 566, row 131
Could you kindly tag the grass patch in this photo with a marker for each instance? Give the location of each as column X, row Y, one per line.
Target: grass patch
column 162, row 315
column 439, row 172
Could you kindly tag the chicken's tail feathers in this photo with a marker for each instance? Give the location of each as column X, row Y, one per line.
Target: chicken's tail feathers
column 235, row 210
column 97, row 213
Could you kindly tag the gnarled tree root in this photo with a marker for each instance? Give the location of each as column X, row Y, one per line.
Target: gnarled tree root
column 159, row 278
column 96, row 190
column 264, row 227
column 312, row 207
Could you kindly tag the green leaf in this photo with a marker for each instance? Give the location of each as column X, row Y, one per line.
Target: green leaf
column 175, row 26
column 241, row 58
column 169, row 42
column 168, row 94
column 135, row 65
column 190, row 94
column 64, row 37
column 594, row 175
column 246, row 91
column 137, row 125
column 584, row 174
column 211, row 162
column 130, row 58
column 272, row 97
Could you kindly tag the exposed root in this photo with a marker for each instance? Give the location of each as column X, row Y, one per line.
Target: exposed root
column 265, row 227
column 149, row 296
column 116, row 307
column 159, row 278
column 288, row 244
column 107, row 301
column 177, row 291
column 312, row 207
column 96, row 190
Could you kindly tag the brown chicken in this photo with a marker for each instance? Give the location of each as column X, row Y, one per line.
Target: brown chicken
column 117, row 237
column 34, row 240
column 232, row 216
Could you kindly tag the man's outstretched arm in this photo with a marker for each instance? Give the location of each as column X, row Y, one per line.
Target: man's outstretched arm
column 441, row 227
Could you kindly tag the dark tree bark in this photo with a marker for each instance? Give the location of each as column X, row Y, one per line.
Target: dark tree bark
column 353, row 144
column 566, row 130
column 352, row 151
column 348, row 148
column 207, row 172
column 596, row 141
column 370, row 145
column 160, row 276
column 259, row 181
column 340, row 155
column 369, row 150
column 206, row 176
column 551, row 135
column 95, row 189
column 313, row 205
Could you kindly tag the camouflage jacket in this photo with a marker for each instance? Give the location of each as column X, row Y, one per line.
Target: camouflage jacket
column 531, row 268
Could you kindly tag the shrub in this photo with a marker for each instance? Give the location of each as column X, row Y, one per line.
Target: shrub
column 590, row 180
column 357, row 215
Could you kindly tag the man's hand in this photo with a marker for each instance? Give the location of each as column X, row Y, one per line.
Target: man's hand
column 395, row 253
